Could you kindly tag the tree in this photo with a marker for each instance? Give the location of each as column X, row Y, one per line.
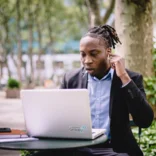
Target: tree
column 5, row 41
column 36, row 27
column 134, row 25
column 19, row 39
column 94, row 11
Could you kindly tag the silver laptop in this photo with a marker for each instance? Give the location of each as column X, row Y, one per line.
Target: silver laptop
column 58, row 113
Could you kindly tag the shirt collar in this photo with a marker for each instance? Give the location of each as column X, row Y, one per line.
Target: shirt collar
column 111, row 71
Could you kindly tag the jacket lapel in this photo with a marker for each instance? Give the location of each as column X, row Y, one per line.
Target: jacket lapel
column 84, row 80
column 116, row 84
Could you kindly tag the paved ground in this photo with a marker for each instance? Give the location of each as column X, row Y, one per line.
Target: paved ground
column 10, row 116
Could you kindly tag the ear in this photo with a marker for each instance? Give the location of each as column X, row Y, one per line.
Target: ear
column 108, row 51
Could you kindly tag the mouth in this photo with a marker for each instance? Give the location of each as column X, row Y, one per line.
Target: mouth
column 89, row 70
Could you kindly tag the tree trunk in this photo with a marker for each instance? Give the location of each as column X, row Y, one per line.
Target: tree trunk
column 134, row 25
column 31, row 53
column 8, row 68
column 30, row 40
column 1, row 60
column 94, row 12
column 13, row 59
column 7, row 47
column 109, row 11
column 1, row 69
column 50, row 33
column 40, row 53
column 25, row 69
column 19, row 42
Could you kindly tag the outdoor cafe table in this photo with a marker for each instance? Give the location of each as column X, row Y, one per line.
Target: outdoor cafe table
column 52, row 144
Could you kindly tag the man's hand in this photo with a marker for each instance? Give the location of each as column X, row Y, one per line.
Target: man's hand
column 118, row 63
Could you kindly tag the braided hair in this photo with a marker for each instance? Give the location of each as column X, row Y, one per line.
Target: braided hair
column 107, row 33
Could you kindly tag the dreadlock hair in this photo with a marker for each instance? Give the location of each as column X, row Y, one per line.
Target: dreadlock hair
column 107, row 33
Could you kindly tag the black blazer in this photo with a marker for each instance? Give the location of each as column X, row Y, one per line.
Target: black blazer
column 129, row 99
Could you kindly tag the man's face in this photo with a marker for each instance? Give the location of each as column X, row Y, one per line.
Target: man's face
column 94, row 56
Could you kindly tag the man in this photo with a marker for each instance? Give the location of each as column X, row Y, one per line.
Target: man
column 114, row 91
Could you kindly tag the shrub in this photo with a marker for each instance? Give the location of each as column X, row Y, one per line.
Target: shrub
column 154, row 59
column 150, row 89
column 13, row 83
column 147, row 140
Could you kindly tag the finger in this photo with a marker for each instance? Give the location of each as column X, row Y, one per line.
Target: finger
column 112, row 65
column 112, row 56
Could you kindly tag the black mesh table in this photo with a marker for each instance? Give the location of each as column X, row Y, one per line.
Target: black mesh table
column 52, row 144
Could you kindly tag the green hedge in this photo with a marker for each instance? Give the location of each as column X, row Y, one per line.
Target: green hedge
column 147, row 139
column 150, row 89
column 150, row 83
column 154, row 59
column 148, row 135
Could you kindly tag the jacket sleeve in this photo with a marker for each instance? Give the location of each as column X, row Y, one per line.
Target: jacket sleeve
column 63, row 83
column 138, row 106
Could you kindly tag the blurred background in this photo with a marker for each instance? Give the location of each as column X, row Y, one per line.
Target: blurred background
column 39, row 42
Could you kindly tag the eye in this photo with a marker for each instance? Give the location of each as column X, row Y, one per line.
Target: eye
column 94, row 53
column 82, row 54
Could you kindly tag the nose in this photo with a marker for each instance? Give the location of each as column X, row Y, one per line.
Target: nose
column 87, row 60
